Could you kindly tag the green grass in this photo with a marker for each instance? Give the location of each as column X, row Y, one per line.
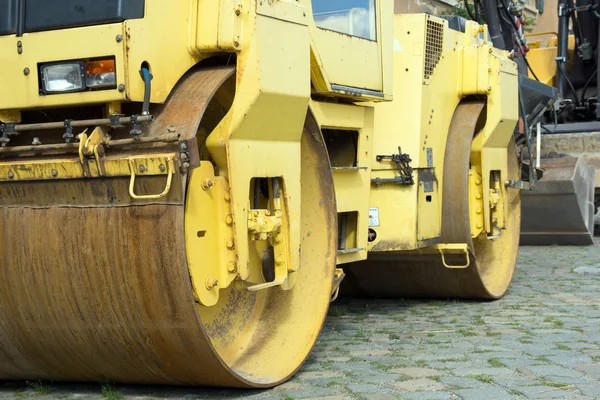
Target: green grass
column 494, row 362
column 393, row 336
column 561, row 346
column 482, row 378
column 337, row 311
column 421, row 363
column 110, row 392
column 20, row 395
column 557, row 323
column 382, row 366
column 361, row 334
column 40, row 388
column 555, row 384
column 466, row 332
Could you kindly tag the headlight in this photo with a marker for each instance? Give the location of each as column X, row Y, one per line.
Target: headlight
column 78, row 76
column 62, row 78
column 100, row 74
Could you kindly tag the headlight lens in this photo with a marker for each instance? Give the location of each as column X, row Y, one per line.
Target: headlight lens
column 61, row 78
column 100, row 74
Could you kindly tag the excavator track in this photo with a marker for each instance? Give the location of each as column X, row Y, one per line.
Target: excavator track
column 96, row 286
column 423, row 275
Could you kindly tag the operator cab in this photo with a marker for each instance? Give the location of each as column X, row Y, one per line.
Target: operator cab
column 352, row 48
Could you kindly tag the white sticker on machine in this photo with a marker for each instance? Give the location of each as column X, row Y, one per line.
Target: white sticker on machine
column 373, row 216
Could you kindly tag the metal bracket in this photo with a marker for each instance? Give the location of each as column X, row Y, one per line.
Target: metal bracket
column 115, row 121
column 68, row 136
column 337, row 281
column 402, row 162
column 271, row 225
column 520, row 185
column 6, row 130
column 136, row 129
column 92, row 147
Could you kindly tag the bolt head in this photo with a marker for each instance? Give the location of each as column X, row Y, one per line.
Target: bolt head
column 278, row 239
column 279, row 260
column 119, row 38
column 11, row 175
column 121, row 88
column 229, row 220
column 54, row 172
column 231, row 267
column 207, row 183
column 26, row 71
column 227, row 197
column 162, row 168
column 142, row 168
column 183, row 146
column 211, row 283
column 230, row 244
column 20, row 50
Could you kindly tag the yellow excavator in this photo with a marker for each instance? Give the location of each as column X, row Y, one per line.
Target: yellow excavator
column 184, row 184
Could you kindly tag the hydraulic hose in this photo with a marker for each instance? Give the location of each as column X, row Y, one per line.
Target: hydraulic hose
column 147, row 77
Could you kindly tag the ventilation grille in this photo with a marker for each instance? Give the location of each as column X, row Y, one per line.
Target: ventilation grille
column 433, row 47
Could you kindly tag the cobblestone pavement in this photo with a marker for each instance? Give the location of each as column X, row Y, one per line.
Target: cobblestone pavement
column 541, row 341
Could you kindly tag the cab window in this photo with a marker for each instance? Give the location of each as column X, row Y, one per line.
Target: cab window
column 351, row 17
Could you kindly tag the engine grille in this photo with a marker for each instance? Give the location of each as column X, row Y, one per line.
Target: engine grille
column 434, row 45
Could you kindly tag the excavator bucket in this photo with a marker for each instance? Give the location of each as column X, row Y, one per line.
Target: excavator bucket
column 560, row 210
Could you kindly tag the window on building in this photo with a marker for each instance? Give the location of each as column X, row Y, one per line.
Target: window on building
column 351, row 17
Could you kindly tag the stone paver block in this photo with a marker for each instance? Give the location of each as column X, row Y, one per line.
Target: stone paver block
column 416, row 372
column 547, row 370
column 416, row 385
column 485, row 392
column 366, row 388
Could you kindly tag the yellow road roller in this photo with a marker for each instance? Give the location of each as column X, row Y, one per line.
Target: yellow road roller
column 185, row 184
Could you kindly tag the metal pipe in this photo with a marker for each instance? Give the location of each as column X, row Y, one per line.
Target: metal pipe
column 538, row 146
column 78, row 124
column 343, row 226
column 20, row 18
column 276, row 193
column 256, row 193
column 563, row 45
column 73, row 147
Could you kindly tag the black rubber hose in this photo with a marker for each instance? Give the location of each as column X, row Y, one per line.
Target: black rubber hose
column 147, row 77
column 569, row 83
column 532, row 176
column 469, row 10
column 494, row 25
column 585, row 87
column 20, row 17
